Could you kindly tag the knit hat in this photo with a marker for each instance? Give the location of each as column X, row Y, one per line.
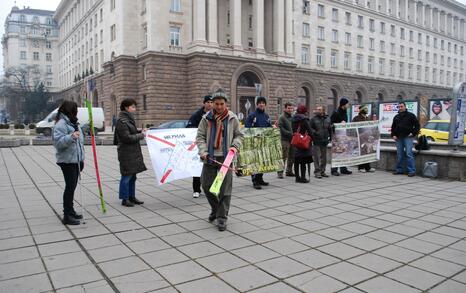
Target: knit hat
column 363, row 107
column 261, row 99
column 301, row 109
column 343, row 101
column 207, row 98
column 219, row 94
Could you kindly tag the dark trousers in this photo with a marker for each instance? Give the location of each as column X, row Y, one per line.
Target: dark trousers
column 300, row 170
column 342, row 169
column 320, row 158
column 71, row 174
column 366, row 166
column 257, row 178
column 287, row 156
column 219, row 205
column 197, row 184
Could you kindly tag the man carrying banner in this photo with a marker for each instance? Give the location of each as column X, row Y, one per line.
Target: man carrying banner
column 404, row 128
column 362, row 116
column 194, row 123
column 259, row 118
column 321, row 131
column 341, row 116
column 286, row 134
column 218, row 131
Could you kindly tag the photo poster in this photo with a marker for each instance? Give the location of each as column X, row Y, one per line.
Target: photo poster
column 440, row 109
column 355, row 143
column 387, row 111
column 355, row 110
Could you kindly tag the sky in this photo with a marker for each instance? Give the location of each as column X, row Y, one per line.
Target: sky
column 5, row 8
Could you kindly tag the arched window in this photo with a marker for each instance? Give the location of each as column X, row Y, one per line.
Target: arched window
column 248, row 78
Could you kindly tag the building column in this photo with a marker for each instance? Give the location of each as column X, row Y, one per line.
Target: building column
column 422, row 16
column 258, row 15
column 212, row 10
column 278, row 26
column 376, row 8
column 414, row 11
column 461, row 29
column 289, row 27
column 406, row 10
column 235, row 24
column 397, row 9
column 199, row 26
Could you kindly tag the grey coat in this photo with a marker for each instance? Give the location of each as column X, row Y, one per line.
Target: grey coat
column 68, row 149
column 127, row 138
column 321, row 130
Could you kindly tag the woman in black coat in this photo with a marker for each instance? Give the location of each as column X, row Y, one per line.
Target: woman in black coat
column 303, row 157
column 127, row 137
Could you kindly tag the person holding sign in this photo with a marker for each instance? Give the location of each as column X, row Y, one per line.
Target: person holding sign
column 127, row 137
column 217, row 134
column 405, row 127
column 341, row 116
column 363, row 116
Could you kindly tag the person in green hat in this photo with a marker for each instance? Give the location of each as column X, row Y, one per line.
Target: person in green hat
column 363, row 116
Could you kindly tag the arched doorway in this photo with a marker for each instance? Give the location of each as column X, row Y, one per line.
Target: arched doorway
column 380, row 97
column 95, row 99
column 304, row 96
column 358, row 98
column 246, row 93
column 332, row 100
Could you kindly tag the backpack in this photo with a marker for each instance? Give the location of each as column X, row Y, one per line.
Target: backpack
column 422, row 143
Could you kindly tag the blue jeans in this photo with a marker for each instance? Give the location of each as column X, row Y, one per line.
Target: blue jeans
column 404, row 148
column 127, row 186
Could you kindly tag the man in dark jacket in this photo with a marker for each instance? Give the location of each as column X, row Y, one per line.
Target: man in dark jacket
column 194, row 123
column 362, row 116
column 405, row 127
column 340, row 116
column 259, row 118
column 321, row 131
column 286, row 134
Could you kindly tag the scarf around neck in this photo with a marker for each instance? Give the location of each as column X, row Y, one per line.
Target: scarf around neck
column 219, row 118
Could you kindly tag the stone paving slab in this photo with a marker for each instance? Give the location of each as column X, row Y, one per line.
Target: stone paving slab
column 360, row 233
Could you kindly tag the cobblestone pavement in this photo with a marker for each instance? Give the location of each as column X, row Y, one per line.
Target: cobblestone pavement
column 360, row 233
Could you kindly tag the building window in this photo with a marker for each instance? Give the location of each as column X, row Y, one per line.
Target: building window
column 449, row 47
column 23, row 55
column 419, row 38
column 411, row 53
column 35, row 44
column 101, row 36
column 410, row 71
column 427, row 57
column 382, row 46
column 348, row 39
column 112, row 33
column 402, row 51
column 335, row 36
column 435, row 58
column 434, row 75
column 320, row 33
column 49, row 69
column 48, row 57
column 347, row 60
column 306, row 30
column 360, row 42
column 144, row 102
column 250, row 43
column 22, row 29
column 418, row 72
column 144, row 36
column 435, row 43
column 402, row 33
column 427, row 73
column 360, row 21
column 22, row 18
column 320, row 10
column 428, row 41
column 307, row 7
column 35, row 19
column 370, row 65
column 250, row 22
column 175, row 6
column 22, row 43
column 335, row 14
column 382, row 28
column 143, row 6
column 112, row 5
column 305, row 55
column 381, row 66
column 419, row 55
column 442, row 76
column 334, row 59
column 101, row 15
column 48, row 45
column 371, row 44
column 348, row 18
column 320, row 56
column 402, row 70
column 392, row 30
column 411, row 36
column 359, row 59
column 175, row 36
column 371, row 25
column 35, row 55
column 392, row 67
column 442, row 44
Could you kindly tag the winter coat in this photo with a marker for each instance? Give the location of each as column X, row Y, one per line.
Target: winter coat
column 284, row 123
column 195, row 118
column 258, row 118
column 302, row 122
column 69, row 149
column 234, row 137
column 321, row 130
column 360, row 118
column 404, row 124
column 127, row 138
column 339, row 116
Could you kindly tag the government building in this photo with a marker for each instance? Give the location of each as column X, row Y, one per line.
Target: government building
column 167, row 54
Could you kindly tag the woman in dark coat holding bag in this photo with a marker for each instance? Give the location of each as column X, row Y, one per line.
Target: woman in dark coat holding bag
column 127, row 137
column 303, row 157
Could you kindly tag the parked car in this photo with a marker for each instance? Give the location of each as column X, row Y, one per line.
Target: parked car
column 172, row 124
column 437, row 130
column 46, row 125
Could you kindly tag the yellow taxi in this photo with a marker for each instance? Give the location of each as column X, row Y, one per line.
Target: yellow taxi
column 437, row 130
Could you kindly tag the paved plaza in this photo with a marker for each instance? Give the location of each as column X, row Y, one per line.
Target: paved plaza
column 360, row 233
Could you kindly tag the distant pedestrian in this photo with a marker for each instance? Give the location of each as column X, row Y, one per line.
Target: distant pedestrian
column 114, row 121
column 321, row 132
column 218, row 131
column 302, row 157
column 68, row 141
column 286, row 133
column 405, row 127
column 127, row 137
column 340, row 116
column 363, row 116
column 259, row 118
column 193, row 122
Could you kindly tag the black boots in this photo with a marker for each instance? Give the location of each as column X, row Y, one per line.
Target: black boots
column 135, row 200
column 76, row 215
column 127, row 203
column 222, row 224
column 300, row 168
column 70, row 220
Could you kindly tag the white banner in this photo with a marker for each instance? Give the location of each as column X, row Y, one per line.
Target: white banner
column 174, row 154
column 387, row 111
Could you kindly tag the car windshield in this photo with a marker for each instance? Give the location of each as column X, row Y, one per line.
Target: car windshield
column 430, row 125
column 443, row 126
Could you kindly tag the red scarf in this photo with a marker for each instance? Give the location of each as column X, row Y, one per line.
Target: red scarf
column 219, row 126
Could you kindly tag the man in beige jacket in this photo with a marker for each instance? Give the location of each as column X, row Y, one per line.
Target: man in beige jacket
column 218, row 131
